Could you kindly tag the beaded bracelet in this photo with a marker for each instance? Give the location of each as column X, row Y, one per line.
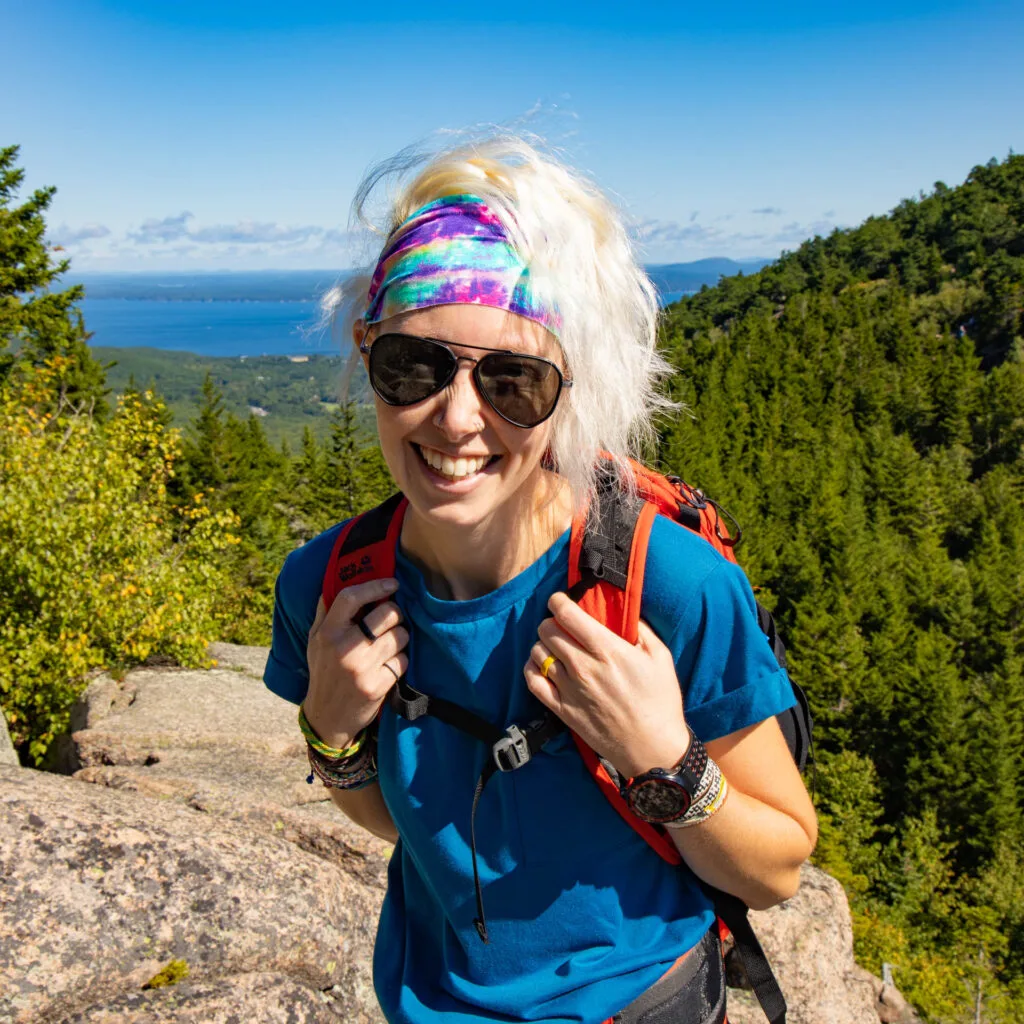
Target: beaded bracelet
column 329, row 752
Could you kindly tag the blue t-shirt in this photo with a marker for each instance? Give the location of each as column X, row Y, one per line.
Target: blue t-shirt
column 582, row 915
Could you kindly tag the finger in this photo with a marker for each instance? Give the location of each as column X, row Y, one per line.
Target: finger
column 564, row 647
column 591, row 635
column 351, row 599
column 543, row 689
column 387, row 646
column 540, row 656
column 382, row 617
column 394, row 668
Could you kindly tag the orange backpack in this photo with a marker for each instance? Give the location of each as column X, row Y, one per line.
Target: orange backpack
column 606, row 574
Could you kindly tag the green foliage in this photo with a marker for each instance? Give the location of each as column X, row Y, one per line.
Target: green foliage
column 337, row 480
column 290, row 394
column 279, row 501
column 97, row 567
column 38, row 323
column 859, row 406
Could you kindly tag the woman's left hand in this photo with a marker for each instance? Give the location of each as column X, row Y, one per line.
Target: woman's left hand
column 623, row 701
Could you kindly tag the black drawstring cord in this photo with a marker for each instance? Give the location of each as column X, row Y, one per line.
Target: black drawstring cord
column 509, row 749
column 480, row 921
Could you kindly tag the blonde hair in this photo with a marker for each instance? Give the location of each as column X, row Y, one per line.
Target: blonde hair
column 580, row 258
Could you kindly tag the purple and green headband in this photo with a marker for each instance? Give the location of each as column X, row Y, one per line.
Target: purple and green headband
column 454, row 250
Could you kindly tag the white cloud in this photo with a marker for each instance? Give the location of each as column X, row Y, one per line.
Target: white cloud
column 68, row 236
column 179, row 241
column 666, row 241
column 168, row 229
column 254, row 233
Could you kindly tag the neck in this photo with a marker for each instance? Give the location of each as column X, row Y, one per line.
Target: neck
column 459, row 563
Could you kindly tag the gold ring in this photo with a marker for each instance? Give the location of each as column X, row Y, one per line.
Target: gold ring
column 546, row 665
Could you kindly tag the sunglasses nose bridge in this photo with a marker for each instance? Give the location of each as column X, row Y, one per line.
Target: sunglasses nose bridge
column 453, row 369
column 462, row 401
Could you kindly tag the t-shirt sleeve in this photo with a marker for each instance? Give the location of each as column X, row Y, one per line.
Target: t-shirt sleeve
column 728, row 673
column 296, row 594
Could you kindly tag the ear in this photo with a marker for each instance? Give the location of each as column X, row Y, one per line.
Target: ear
column 359, row 331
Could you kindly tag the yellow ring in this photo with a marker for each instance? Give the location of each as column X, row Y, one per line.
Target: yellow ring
column 546, row 665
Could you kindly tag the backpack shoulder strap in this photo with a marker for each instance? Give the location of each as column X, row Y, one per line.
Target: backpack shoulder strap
column 607, row 559
column 732, row 912
column 365, row 548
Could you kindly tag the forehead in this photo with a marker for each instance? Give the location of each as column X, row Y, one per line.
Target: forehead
column 484, row 326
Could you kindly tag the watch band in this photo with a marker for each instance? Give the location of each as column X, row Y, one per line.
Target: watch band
column 686, row 777
column 695, row 760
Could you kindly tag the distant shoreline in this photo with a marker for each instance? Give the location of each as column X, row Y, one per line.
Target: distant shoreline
column 293, row 286
column 229, row 315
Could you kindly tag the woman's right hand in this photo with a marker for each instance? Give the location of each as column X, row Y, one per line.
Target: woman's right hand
column 350, row 675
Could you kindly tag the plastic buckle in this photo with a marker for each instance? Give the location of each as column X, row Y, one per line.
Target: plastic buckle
column 512, row 751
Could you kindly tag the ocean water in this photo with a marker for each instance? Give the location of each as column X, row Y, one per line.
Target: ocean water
column 217, row 328
column 208, row 328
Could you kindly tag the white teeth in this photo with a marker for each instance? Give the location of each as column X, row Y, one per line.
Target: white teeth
column 455, row 469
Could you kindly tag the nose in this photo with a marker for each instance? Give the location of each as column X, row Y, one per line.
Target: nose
column 460, row 409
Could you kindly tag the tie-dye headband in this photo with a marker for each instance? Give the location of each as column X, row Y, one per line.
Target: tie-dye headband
column 453, row 251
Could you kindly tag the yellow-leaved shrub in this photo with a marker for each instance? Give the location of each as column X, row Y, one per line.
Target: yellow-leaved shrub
column 98, row 568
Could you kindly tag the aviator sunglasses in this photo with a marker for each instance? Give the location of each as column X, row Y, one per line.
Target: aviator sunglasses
column 406, row 369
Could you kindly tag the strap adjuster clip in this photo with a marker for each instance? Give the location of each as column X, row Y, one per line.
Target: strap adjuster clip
column 512, row 751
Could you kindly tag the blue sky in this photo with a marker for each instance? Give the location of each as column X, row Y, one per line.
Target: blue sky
column 188, row 135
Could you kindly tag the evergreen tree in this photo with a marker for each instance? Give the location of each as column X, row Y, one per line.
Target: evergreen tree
column 860, row 406
column 206, row 442
column 36, row 322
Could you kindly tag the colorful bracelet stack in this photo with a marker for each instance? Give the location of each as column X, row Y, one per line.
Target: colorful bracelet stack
column 351, row 767
column 708, row 800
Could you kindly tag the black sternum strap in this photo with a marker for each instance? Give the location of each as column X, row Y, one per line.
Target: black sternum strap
column 510, row 749
column 410, row 704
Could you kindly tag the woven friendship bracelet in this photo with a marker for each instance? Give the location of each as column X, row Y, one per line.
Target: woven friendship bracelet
column 331, row 753
column 709, row 799
column 353, row 772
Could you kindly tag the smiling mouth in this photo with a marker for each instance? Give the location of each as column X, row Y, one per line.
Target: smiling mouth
column 453, row 469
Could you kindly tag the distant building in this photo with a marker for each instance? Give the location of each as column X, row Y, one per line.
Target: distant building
column 257, row 410
column 298, row 359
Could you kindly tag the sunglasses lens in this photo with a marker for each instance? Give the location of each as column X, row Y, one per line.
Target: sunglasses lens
column 405, row 370
column 522, row 389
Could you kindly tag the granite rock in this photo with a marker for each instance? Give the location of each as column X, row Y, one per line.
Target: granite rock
column 103, row 889
column 188, row 832
column 809, row 942
column 8, row 755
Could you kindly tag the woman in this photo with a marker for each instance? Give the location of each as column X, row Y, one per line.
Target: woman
column 509, row 337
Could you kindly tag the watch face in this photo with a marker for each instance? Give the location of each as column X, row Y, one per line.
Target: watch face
column 658, row 800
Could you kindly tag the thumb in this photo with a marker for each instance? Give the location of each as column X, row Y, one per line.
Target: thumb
column 321, row 614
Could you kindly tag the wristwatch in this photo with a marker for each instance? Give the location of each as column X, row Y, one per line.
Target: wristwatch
column 664, row 795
